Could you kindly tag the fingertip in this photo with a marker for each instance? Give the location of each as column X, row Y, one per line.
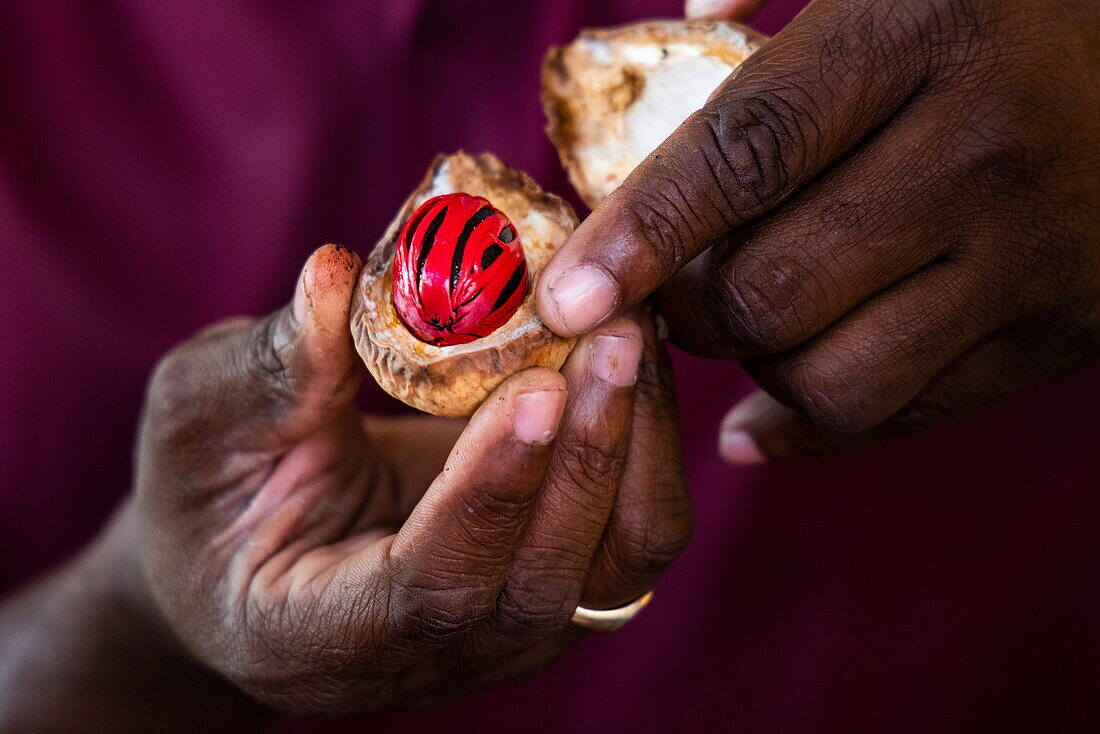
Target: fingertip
column 721, row 9
column 626, row 326
column 320, row 316
column 738, row 441
column 514, row 425
column 747, row 411
column 615, row 351
column 330, row 276
column 537, row 415
column 500, row 414
column 334, row 257
column 740, row 448
column 533, row 378
column 574, row 300
column 760, row 428
column 325, row 283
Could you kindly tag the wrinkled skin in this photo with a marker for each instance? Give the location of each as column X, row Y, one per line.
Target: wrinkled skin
column 890, row 214
column 320, row 559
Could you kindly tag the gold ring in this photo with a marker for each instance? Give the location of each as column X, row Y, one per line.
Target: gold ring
column 609, row 620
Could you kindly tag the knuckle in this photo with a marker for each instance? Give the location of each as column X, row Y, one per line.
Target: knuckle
column 988, row 162
column 525, row 609
column 263, row 360
column 449, row 593
column 655, row 401
column 174, row 380
column 660, row 216
column 729, row 165
column 760, row 305
column 917, row 417
column 823, row 395
column 643, row 552
column 487, row 515
column 171, row 408
column 435, row 608
column 833, row 414
column 199, row 382
column 590, row 466
column 749, row 157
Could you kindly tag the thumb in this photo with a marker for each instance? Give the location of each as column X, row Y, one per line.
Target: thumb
column 265, row 383
column 321, row 369
column 795, row 106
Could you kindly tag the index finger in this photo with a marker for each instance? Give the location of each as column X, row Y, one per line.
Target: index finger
column 794, row 107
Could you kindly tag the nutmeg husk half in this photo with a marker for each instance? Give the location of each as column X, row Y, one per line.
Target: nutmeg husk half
column 454, row 380
column 614, row 94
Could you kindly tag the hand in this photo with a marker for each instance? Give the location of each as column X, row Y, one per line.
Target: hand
column 323, row 562
column 891, row 213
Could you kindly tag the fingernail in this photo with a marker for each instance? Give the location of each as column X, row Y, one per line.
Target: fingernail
column 615, row 358
column 300, row 305
column 739, row 447
column 583, row 297
column 704, row 8
column 537, row 415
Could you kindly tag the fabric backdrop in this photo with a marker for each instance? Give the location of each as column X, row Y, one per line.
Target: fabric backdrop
column 164, row 165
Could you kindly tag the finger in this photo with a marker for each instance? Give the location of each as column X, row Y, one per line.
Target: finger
column 760, row 428
column 793, row 108
column 722, row 9
column 547, row 573
column 651, row 521
column 262, row 384
column 873, row 219
column 875, row 360
column 447, row 563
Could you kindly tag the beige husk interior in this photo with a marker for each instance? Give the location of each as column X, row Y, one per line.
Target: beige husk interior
column 614, row 94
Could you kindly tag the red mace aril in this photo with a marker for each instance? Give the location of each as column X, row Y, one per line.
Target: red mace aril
column 458, row 270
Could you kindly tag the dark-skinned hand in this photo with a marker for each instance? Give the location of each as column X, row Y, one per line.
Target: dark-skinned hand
column 890, row 214
column 324, row 561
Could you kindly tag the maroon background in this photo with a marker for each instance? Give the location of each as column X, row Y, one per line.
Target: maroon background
column 161, row 168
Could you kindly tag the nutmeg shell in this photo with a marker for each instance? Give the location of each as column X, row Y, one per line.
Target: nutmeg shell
column 614, row 94
column 454, row 380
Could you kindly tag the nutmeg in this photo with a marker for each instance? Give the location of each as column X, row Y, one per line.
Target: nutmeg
column 495, row 230
column 459, row 272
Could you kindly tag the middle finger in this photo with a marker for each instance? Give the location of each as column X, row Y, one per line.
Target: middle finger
column 651, row 522
column 544, row 581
